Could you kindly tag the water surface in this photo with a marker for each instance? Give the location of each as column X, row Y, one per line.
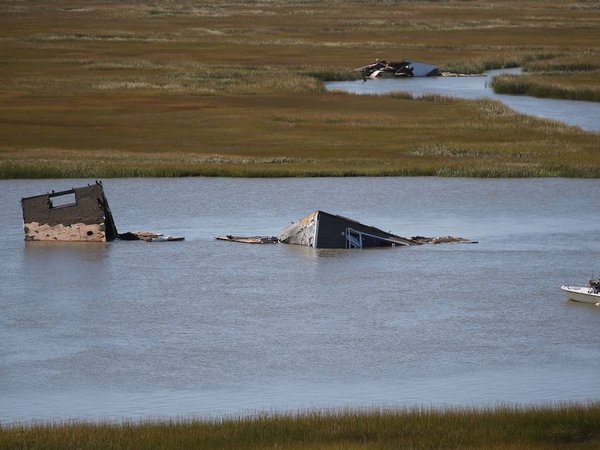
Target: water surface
column 210, row 328
column 583, row 114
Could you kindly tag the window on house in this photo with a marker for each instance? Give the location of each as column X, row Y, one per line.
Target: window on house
column 63, row 200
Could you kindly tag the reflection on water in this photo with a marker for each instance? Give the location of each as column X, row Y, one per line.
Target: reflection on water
column 206, row 328
column 67, row 270
column 583, row 114
column 45, row 253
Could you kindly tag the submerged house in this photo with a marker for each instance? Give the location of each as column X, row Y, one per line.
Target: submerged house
column 79, row 214
column 324, row 230
column 403, row 68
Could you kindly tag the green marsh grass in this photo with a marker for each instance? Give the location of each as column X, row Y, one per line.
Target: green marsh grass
column 568, row 426
column 153, row 88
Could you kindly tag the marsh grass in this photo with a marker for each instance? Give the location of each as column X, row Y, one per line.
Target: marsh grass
column 563, row 76
column 85, row 86
column 574, row 87
column 310, row 134
column 584, row 61
column 567, row 426
column 480, row 65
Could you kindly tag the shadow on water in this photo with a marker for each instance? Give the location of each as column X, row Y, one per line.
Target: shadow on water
column 52, row 256
column 583, row 114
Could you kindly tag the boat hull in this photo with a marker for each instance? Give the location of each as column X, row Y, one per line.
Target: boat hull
column 581, row 294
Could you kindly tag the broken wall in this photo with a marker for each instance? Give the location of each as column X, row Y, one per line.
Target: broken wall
column 80, row 214
column 301, row 232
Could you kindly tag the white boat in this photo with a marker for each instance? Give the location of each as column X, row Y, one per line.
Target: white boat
column 590, row 294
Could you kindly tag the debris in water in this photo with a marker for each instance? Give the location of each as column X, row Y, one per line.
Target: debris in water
column 148, row 237
column 249, row 239
column 324, row 230
column 404, row 69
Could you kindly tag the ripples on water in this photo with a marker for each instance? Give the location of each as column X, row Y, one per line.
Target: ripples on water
column 583, row 114
column 206, row 328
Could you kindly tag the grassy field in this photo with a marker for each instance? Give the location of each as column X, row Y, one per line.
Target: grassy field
column 224, row 88
column 565, row 427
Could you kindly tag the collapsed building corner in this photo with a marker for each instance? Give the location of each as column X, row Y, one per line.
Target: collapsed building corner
column 78, row 214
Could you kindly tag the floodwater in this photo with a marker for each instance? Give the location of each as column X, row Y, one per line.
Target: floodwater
column 583, row 114
column 205, row 328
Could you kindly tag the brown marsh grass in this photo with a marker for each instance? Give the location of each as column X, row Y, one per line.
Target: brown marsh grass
column 124, row 88
column 576, row 86
column 308, row 134
column 503, row 427
column 574, row 76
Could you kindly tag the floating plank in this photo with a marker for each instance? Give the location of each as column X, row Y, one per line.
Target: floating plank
column 249, row 239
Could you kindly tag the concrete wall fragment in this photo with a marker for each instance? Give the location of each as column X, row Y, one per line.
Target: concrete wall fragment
column 79, row 214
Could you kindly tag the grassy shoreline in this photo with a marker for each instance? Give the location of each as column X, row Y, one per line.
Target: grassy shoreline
column 566, row 77
column 570, row 426
column 545, row 86
column 198, row 88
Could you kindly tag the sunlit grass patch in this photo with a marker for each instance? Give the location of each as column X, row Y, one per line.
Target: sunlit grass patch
column 116, row 36
column 125, row 64
column 451, row 152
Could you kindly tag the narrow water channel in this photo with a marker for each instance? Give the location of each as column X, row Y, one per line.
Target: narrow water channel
column 583, row 114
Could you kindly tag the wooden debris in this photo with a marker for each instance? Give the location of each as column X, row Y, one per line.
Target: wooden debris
column 249, row 239
column 148, row 236
column 419, row 240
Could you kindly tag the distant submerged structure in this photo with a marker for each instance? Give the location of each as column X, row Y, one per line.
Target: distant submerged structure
column 403, row 68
